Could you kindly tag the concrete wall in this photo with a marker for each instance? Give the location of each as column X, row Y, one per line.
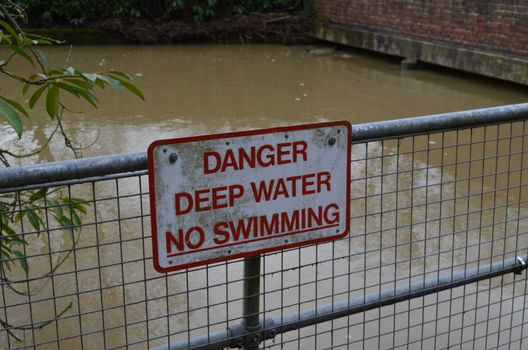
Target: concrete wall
column 488, row 37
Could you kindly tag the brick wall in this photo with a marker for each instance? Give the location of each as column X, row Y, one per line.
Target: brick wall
column 489, row 25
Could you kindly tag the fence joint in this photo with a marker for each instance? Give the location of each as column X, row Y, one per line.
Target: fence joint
column 251, row 337
column 522, row 266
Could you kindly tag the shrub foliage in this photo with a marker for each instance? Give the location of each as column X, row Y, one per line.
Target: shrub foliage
column 77, row 12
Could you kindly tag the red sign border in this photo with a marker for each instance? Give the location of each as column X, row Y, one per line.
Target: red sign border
column 152, row 193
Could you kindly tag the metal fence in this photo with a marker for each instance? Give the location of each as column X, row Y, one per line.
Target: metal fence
column 434, row 260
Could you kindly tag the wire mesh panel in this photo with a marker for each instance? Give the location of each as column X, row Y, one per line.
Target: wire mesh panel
column 423, row 207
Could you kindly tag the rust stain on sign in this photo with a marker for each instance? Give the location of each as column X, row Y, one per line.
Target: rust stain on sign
column 231, row 195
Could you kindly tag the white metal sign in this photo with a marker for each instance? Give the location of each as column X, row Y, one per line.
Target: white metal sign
column 226, row 196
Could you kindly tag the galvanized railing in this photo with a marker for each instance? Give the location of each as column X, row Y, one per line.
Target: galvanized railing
column 435, row 258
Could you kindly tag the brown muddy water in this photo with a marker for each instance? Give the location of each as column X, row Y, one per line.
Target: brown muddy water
column 203, row 89
column 208, row 88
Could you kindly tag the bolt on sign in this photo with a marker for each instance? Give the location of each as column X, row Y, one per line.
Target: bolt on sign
column 232, row 195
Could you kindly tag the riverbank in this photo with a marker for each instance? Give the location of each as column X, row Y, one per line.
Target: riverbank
column 284, row 28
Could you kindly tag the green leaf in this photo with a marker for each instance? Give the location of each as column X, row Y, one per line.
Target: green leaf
column 36, row 95
column 22, row 259
column 132, row 88
column 55, row 72
column 15, row 105
column 7, row 263
column 75, row 219
column 3, row 37
column 43, row 59
column 44, row 42
column 39, row 41
column 25, row 88
column 26, row 41
column 12, row 117
column 120, row 74
column 78, row 204
column 80, row 208
column 69, row 88
column 90, row 76
column 33, row 219
column 17, row 239
column 37, row 195
column 90, row 98
column 112, row 82
column 19, row 216
column 52, row 101
column 65, row 223
column 23, row 54
column 79, row 92
column 55, row 207
column 4, row 249
column 8, row 230
column 10, row 29
column 33, row 77
column 80, row 83
column 100, row 83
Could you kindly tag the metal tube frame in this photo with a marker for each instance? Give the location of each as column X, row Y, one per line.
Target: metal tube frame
column 253, row 330
column 241, row 336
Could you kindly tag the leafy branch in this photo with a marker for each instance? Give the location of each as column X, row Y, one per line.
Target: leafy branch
column 41, row 209
column 51, row 82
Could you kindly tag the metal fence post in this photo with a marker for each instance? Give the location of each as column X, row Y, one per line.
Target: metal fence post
column 251, row 306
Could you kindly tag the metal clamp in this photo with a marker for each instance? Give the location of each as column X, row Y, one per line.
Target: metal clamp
column 236, row 334
column 241, row 336
column 521, row 268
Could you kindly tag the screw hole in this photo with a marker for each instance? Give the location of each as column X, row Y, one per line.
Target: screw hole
column 164, row 150
column 228, row 143
column 331, row 141
column 286, row 136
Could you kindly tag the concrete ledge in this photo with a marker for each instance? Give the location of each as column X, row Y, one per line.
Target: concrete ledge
column 510, row 68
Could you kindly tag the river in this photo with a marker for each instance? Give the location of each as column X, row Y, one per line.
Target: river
column 202, row 89
column 199, row 89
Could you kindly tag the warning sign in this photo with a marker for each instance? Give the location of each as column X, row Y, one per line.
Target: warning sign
column 231, row 195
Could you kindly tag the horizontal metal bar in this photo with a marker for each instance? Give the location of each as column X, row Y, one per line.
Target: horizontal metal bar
column 438, row 122
column 216, row 340
column 75, row 181
column 55, row 172
column 272, row 326
column 85, row 168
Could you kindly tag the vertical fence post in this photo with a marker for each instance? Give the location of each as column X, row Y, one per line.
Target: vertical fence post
column 251, row 306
